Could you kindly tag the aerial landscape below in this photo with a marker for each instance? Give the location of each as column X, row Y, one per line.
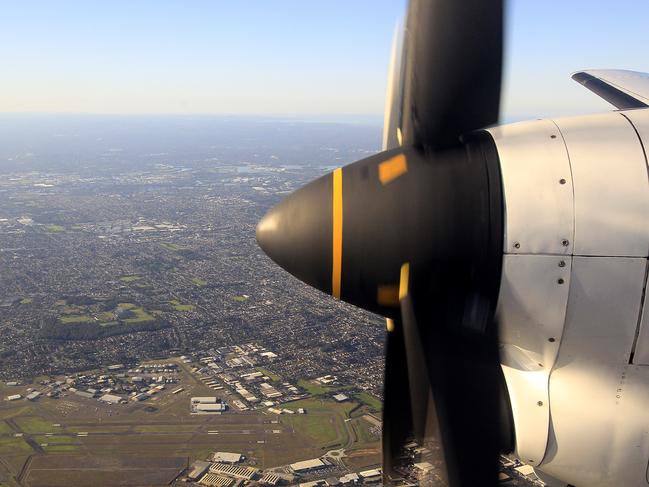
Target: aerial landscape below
column 147, row 340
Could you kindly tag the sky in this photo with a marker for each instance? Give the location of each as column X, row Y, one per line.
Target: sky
column 280, row 57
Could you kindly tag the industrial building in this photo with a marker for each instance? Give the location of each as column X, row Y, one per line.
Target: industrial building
column 270, row 479
column 215, row 480
column 111, row 398
column 33, row 396
column 246, row 473
column 207, row 405
column 204, row 400
column 227, row 457
column 209, row 408
column 247, row 395
column 350, row 478
column 373, row 475
column 269, row 391
column 308, row 465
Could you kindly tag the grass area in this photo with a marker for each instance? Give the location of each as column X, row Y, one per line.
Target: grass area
column 172, row 246
column 97, row 428
column 372, row 402
column 34, row 424
column 273, row 377
column 55, row 228
column 178, row 306
column 324, row 422
column 314, row 388
column 61, row 448
column 5, row 429
column 12, row 445
column 57, row 443
column 320, row 428
column 26, row 301
column 240, row 298
column 106, row 316
column 131, row 278
column 199, row 282
column 313, row 404
column 363, row 429
column 140, row 316
column 166, row 428
column 75, row 319
column 126, row 305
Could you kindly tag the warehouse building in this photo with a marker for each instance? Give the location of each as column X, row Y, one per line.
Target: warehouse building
column 373, row 475
column 247, row 395
column 308, row 465
column 269, row 391
column 227, row 457
column 110, row 399
column 270, row 479
column 33, row 396
column 245, row 473
column 209, row 408
column 215, row 480
column 204, row 400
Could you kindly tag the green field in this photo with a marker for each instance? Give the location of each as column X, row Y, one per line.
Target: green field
column 57, row 443
column 324, row 423
column 199, row 282
column 140, row 316
column 369, row 400
column 314, row 388
column 76, row 319
column 106, row 316
column 26, row 301
column 12, row 445
column 34, row 424
column 178, row 306
column 55, row 228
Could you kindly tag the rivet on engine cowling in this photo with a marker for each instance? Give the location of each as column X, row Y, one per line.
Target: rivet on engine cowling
column 562, row 263
column 540, row 403
column 562, row 181
column 560, row 281
column 565, row 242
column 517, row 245
column 553, row 136
column 551, row 339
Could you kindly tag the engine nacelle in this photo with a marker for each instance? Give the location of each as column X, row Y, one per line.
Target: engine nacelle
column 574, row 338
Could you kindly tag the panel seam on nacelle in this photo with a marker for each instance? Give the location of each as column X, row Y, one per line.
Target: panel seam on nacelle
column 572, row 186
column 635, row 129
column 639, row 323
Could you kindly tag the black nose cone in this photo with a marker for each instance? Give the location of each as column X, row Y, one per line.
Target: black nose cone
column 298, row 233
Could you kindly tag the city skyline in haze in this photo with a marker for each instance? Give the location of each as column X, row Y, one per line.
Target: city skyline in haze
column 284, row 58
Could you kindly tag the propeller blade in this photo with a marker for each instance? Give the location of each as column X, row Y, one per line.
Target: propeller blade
column 397, row 417
column 454, row 335
column 452, row 70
